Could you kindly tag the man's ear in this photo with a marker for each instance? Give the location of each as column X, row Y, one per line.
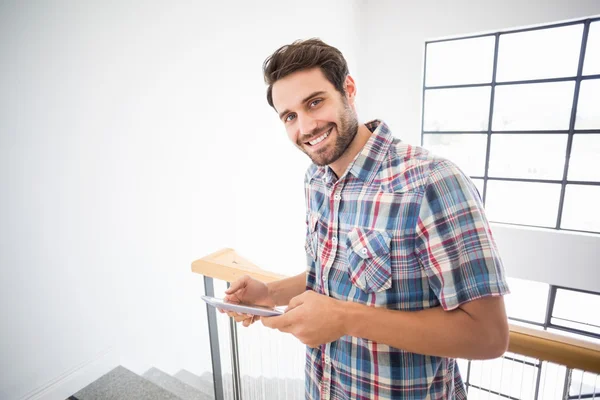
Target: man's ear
column 350, row 88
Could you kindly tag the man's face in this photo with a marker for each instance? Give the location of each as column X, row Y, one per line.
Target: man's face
column 317, row 118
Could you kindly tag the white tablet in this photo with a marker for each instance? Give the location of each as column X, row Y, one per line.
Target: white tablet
column 251, row 309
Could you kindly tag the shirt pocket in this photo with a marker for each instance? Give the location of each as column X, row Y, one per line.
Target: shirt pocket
column 369, row 259
column 310, row 246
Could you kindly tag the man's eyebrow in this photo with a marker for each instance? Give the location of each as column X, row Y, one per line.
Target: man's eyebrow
column 310, row 96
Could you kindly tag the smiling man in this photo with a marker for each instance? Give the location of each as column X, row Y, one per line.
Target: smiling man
column 403, row 275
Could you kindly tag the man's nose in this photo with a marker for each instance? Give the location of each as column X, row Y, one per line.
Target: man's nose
column 307, row 126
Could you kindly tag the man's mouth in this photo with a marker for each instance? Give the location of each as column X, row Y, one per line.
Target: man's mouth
column 318, row 140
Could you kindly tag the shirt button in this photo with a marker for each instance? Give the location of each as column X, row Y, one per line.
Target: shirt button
column 327, row 360
column 334, row 240
column 337, row 197
column 363, row 250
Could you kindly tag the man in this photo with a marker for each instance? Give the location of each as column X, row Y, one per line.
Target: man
column 403, row 274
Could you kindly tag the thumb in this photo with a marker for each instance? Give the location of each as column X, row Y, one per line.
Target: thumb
column 295, row 302
column 238, row 284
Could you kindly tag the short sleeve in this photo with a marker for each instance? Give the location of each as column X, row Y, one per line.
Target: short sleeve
column 454, row 242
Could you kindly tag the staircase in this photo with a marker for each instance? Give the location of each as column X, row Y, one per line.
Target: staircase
column 154, row 384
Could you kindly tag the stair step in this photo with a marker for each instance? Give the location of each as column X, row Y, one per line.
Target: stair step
column 175, row 386
column 203, row 383
column 121, row 383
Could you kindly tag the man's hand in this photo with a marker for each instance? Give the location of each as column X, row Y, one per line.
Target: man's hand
column 249, row 291
column 313, row 318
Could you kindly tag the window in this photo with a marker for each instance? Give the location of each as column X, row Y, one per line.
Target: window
column 518, row 112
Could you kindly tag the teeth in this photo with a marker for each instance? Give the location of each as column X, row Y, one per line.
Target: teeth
column 320, row 138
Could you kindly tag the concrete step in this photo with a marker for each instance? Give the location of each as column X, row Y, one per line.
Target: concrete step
column 202, row 383
column 121, row 383
column 175, row 386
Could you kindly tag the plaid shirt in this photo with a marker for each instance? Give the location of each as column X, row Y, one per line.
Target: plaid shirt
column 404, row 230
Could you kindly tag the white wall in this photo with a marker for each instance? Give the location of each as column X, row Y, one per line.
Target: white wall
column 135, row 138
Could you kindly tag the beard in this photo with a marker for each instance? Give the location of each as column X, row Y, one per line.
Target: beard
column 346, row 130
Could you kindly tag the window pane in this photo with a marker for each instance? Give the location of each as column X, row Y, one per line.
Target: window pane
column 466, row 150
column 459, row 62
column 523, row 202
column 588, row 114
column 539, row 106
column 479, row 185
column 464, row 109
column 518, row 378
column 572, row 309
column 585, row 154
column 539, row 54
column 527, row 300
column 580, row 211
column 528, row 156
column 591, row 65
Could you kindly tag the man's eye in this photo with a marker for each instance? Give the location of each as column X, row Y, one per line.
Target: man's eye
column 315, row 102
column 290, row 117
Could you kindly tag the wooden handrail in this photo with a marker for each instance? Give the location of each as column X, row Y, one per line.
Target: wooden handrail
column 580, row 354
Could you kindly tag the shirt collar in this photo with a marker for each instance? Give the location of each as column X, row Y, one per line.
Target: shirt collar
column 367, row 162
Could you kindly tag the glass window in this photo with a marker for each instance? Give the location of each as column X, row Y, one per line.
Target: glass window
column 464, row 109
column 580, row 210
column 529, row 156
column 588, row 105
column 538, row 107
column 591, row 65
column 458, row 62
column 572, row 309
column 524, row 203
column 531, row 122
column 585, row 153
column 527, row 300
column 466, row 150
column 539, row 54
column 479, row 185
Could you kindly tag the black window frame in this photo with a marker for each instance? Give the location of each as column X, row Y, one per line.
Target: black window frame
column 493, row 84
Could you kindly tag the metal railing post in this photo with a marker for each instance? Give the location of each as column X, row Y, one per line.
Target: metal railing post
column 213, row 332
column 235, row 360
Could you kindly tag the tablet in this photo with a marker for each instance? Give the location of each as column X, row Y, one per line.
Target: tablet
column 251, row 309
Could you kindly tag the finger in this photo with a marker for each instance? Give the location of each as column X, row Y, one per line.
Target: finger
column 237, row 316
column 240, row 318
column 238, row 284
column 279, row 322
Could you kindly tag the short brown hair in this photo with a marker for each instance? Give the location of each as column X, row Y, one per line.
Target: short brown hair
column 305, row 54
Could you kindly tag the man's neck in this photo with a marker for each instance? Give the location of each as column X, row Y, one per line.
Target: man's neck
column 341, row 164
